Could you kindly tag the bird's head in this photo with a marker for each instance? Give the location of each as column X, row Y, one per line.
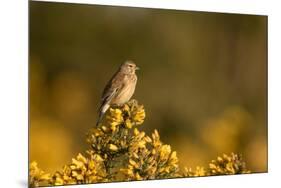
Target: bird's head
column 129, row 67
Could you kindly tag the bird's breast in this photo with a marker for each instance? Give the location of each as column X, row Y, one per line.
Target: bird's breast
column 127, row 91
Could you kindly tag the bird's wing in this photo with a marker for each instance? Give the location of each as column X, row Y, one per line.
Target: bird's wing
column 112, row 88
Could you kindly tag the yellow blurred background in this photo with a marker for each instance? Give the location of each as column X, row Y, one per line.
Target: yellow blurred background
column 203, row 79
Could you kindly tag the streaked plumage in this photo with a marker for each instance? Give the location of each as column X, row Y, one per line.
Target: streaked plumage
column 119, row 89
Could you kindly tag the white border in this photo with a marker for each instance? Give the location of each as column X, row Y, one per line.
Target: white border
column 248, row 7
column 13, row 95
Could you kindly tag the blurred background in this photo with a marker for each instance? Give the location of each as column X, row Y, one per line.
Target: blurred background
column 203, row 79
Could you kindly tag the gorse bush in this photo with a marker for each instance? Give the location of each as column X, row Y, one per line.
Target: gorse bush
column 119, row 151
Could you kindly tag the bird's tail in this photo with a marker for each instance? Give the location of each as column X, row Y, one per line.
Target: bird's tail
column 102, row 111
column 99, row 118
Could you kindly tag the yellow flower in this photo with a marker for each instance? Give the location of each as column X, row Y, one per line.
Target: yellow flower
column 114, row 118
column 81, row 158
column 132, row 162
column 45, row 176
column 228, row 164
column 138, row 177
column 58, row 181
column 141, row 135
column 139, row 116
column 98, row 158
column 148, row 139
column 97, row 132
column 128, row 172
column 155, row 135
column 173, row 157
column 212, row 166
column 136, row 131
column 120, row 152
column 113, row 147
column 200, row 171
column 219, row 159
column 135, row 155
column 126, row 108
column 77, row 164
column 165, row 151
column 37, row 175
column 80, row 177
column 128, row 124
column 91, row 164
column 104, row 128
column 141, row 144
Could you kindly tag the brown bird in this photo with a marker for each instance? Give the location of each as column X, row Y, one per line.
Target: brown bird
column 119, row 89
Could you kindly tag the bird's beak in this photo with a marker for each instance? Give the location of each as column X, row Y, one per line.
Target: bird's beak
column 137, row 68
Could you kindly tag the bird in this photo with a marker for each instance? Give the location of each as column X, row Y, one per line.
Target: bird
column 119, row 89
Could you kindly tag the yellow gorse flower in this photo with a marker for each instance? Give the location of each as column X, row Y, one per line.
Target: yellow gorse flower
column 114, row 118
column 231, row 164
column 119, row 151
column 113, row 147
column 82, row 170
column 165, row 151
column 37, row 176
